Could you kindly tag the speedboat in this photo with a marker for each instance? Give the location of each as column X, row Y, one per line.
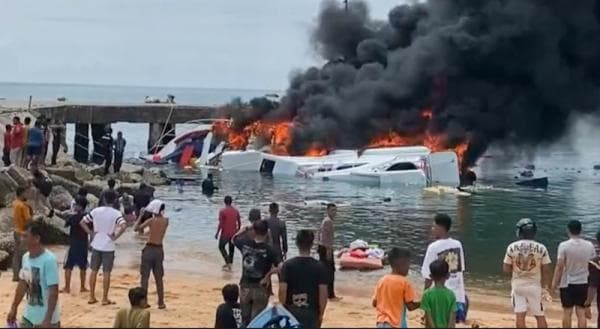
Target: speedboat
column 410, row 165
column 194, row 142
column 413, row 165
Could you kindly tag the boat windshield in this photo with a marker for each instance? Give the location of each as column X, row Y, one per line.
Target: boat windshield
column 401, row 166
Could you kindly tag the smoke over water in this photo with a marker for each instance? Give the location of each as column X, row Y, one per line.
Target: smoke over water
column 507, row 72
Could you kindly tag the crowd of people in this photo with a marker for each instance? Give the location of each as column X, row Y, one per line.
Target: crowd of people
column 92, row 235
column 306, row 284
column 27, row 146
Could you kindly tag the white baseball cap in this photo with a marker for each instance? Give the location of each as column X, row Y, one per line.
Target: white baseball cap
column 154, row 206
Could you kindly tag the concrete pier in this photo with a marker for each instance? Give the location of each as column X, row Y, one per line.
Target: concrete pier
column 82, row 141
column 100, row 115
column 98, row 130
column 140, row 113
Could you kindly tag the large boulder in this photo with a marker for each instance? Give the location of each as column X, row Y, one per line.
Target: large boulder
column 92, row 201
column 64, row 172
column 5, row 260
column 96, row 170
column 74, row 174
column 7, row 242
column 136, row 178
column 132, row 169
column 70, row 186
column 7, row 189
column 95, row 187
column 155, row 177
column 54, row 231
column 129, row 188
column 60, row 198
column 20, row 175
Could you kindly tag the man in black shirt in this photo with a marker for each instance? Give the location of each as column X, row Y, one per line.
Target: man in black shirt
column 78, row 244
column 107, row 147
column 119, row 145
column 259, row 262
column 303, row 284
column 229, row 314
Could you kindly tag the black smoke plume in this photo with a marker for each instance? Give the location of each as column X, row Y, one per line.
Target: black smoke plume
column 506, row 72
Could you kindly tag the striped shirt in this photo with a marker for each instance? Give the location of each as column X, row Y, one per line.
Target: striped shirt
column 105, row 221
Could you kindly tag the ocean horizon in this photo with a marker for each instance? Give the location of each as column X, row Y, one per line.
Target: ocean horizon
column 43, row 92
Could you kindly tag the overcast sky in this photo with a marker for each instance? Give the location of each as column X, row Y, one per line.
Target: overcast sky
column 250, row 44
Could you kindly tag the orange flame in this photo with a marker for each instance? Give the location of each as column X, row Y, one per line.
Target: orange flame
column 278, row 136
column 436, row 143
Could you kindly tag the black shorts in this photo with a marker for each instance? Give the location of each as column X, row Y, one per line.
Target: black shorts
column 573, row 295
column 77, row 256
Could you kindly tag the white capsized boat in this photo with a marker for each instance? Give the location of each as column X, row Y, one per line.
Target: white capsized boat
column 414, row 165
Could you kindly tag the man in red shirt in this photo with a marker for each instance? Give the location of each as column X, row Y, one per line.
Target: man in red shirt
column 17, row 141
column 6, row 148
column 229, row 225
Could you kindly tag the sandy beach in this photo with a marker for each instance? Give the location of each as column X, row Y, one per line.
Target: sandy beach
column 192, row 299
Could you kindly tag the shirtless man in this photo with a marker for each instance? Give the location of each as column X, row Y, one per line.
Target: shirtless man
column 153, row 254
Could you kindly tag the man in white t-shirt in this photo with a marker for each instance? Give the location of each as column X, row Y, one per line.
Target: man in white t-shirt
column 108, row 225
column 529, row 263
column 571, row 274
column 451, row 251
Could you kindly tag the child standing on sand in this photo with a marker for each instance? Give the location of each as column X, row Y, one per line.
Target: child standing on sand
column 394, row 294
column 136, row 316
column 439, row 302
column 229, row 314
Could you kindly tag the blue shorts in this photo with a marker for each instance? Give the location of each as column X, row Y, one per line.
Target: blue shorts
column 34, row 150
column 77, row 256
column 461, row 311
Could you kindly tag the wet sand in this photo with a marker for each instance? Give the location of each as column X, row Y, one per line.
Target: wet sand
column 192, row 298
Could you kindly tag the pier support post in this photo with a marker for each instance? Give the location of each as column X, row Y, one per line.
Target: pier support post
column 98, row 130
column 81, row 143
column 155, row 142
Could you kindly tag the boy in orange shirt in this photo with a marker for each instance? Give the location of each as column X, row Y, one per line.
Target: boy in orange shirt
column 22, row 214
column 394, row 293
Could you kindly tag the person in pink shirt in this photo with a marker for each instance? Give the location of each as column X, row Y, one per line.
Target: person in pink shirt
column 229, row 225
column 17, row 142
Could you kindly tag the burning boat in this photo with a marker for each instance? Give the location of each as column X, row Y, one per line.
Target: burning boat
column 189, row 144
column 262, row 147
column 411, row 165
